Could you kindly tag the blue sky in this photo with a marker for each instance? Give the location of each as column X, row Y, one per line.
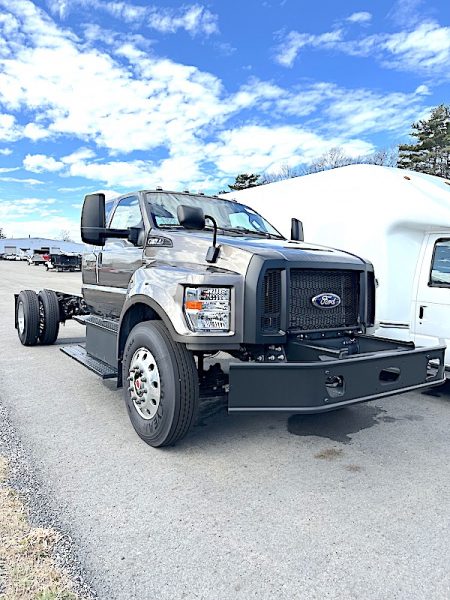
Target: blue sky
column 115, row 96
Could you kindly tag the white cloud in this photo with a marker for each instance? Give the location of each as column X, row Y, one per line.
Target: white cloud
column 59, row 7
column 426, row 48
column 16, row 209
column 39, row 163
column 361, row 111
column 407, row 13
column 35, row 217
column 151, row 102
column 126, row 174
column 5, row 151
column 289, row 48
column 360, row 17
column 48, row 226
column 348, row 111
column 35, row 132
column 257, row 148
column 8, row 169
column 195, row 19
column 77, row 188
column 9, row 130
column 17, row 180
column 80, row 154
column 123, row 98
column 423, row 49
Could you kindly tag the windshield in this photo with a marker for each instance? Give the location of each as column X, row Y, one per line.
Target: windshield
column 229, row 216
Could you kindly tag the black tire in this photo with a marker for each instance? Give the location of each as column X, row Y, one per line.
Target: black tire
column 49, row 317
column 178, row 382
column 28, row 308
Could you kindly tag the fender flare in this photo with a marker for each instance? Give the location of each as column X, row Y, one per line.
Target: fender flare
column 154, row 306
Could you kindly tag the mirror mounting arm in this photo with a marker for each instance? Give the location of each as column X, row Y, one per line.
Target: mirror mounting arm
column 213, row 251
column 214, row 222
column 116, row 233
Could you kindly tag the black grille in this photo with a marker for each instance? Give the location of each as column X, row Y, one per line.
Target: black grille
column 271, row 301
column 306, row 283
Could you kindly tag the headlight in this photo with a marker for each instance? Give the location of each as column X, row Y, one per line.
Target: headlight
column 207, row 308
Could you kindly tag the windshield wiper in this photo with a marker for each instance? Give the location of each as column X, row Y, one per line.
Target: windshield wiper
column 265, row 234
column 242, row 230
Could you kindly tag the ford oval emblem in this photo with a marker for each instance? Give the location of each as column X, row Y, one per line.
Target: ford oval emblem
column 326, row 300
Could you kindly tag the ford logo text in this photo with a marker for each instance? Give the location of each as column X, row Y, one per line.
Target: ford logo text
column 326, row 300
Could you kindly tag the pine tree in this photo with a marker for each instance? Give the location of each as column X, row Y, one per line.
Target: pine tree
column 431, row 153
column 244, row 181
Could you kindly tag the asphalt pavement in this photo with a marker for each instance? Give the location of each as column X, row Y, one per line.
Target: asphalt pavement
column 350, row 504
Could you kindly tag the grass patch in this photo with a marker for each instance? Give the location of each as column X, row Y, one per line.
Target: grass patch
column 27, row 568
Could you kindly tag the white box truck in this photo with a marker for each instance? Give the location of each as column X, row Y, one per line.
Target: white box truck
column 397, row 219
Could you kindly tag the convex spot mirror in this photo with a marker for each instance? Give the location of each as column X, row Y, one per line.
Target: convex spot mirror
column 191, row 217
column 297, row 234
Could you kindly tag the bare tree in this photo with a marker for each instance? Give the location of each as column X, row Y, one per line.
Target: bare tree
column 385, row 157
column 332, row 159
column 2, row 234
column 285, row 172
column 64, row 235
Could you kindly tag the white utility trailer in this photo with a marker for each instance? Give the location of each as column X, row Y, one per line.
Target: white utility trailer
column 397, row 219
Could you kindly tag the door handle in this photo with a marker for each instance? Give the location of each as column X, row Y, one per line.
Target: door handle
column 421, row 311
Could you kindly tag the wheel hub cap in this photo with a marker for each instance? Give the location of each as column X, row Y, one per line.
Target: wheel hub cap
column 144, row 383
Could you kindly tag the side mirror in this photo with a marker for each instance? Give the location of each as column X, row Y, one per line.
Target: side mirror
column 93, row 220
column 297, row 230
column 191, row 217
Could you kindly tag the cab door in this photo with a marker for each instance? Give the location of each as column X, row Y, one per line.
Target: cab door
column 119, row 258
column 432, row 306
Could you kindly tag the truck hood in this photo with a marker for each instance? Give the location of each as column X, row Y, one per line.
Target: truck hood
column 190, row 248
column 289, row 250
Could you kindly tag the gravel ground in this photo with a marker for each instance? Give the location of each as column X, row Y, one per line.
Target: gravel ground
column 24, row 479
column 352, row 504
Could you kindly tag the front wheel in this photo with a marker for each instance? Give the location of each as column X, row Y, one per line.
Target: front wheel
column 160, row 384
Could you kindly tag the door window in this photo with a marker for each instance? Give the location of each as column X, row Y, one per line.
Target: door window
column 127, row 214
column 108, row 208
column 440, row 267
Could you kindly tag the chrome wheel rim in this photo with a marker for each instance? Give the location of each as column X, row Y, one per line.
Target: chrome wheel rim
column 21, row 317
column 144, row 383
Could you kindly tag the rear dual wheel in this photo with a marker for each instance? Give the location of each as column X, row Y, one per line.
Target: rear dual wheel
column 37, row 317
column 49, row 317
column 28, row 317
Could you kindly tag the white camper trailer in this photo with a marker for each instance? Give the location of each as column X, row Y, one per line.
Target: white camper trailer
column 397, row 219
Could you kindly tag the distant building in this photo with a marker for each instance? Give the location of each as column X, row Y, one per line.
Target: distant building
column 34, row 244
